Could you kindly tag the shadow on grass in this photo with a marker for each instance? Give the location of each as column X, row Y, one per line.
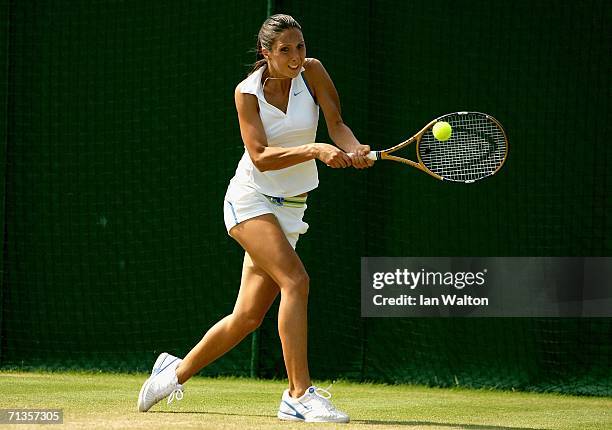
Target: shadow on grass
column 371, row 422
column 455, row 425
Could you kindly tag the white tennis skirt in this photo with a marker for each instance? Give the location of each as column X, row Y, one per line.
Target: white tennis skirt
column 243, row 202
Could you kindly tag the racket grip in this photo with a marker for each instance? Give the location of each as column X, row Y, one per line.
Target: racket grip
column 372, row 155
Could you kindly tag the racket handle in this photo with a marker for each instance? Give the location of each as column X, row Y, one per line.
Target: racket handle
column 372, row 155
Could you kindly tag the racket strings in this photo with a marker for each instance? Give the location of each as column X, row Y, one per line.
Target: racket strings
column 476, row 149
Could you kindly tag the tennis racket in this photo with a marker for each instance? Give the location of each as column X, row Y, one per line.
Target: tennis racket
column 477, row 148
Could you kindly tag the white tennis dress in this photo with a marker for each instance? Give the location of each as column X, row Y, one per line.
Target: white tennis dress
column 251, row 192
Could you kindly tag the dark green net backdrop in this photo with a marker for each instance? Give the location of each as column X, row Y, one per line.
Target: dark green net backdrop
column 120, row 135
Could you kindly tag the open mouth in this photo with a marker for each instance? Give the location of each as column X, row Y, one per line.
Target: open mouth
column 294, row 67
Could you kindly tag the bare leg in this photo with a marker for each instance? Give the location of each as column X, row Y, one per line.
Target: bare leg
column 256, row 295
column 264, row 240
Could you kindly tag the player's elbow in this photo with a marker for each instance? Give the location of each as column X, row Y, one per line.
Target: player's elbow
column 259, row 157
column 336, row 126
column 261, row 162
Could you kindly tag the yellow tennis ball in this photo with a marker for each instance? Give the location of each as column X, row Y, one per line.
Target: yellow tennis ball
column 442, row 130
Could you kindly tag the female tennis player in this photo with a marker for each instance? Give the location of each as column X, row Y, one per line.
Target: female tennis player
column 278, row 110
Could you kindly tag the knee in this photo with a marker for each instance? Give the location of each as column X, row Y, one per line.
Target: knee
column 298, row 284
column 247, row 322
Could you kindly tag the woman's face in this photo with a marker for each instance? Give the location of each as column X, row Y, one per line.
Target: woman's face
column 287, row 55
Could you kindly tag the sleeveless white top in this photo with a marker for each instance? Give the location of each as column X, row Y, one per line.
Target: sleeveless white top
column 297, row 127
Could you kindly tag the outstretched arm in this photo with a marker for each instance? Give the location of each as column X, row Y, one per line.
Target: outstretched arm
column 327, row 97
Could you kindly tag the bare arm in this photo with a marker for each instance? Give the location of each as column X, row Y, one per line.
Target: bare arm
column 268, row 158
column 327, row 96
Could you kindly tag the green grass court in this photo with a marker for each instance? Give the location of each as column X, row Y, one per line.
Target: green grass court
column 102, row 400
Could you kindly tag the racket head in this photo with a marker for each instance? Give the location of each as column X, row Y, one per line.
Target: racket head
column 477, row 148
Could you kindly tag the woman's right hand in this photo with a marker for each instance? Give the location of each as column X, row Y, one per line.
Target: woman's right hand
column 332, row 156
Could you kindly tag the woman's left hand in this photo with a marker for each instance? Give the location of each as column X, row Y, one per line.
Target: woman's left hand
column 360, row 159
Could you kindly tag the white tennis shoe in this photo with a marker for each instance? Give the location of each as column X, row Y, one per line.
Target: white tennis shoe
column 163, row 359
column 162, row 383
column 313, row 407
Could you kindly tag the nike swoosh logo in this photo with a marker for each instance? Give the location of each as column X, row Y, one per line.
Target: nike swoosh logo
column 298, row 93
column 296, row 414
